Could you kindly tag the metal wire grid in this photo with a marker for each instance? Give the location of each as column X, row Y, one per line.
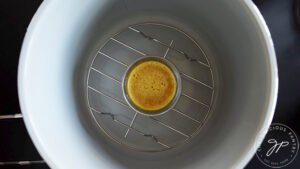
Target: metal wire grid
column 129, row 127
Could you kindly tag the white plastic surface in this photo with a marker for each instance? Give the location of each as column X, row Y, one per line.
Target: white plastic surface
column 64, row 35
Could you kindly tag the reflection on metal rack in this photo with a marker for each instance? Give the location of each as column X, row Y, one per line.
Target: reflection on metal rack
column 131, row 123
column 130, row 126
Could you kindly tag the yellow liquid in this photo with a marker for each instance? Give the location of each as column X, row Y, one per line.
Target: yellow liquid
column 151, row 85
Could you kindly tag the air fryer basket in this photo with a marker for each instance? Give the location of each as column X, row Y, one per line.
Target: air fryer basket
column 74, row 59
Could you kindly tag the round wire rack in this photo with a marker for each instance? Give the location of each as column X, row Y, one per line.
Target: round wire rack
column 123, row 124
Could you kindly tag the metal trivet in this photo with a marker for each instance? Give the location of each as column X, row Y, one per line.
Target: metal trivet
column 132, row 129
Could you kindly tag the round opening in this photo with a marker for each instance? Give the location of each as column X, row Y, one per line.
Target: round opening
column 151, row 85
